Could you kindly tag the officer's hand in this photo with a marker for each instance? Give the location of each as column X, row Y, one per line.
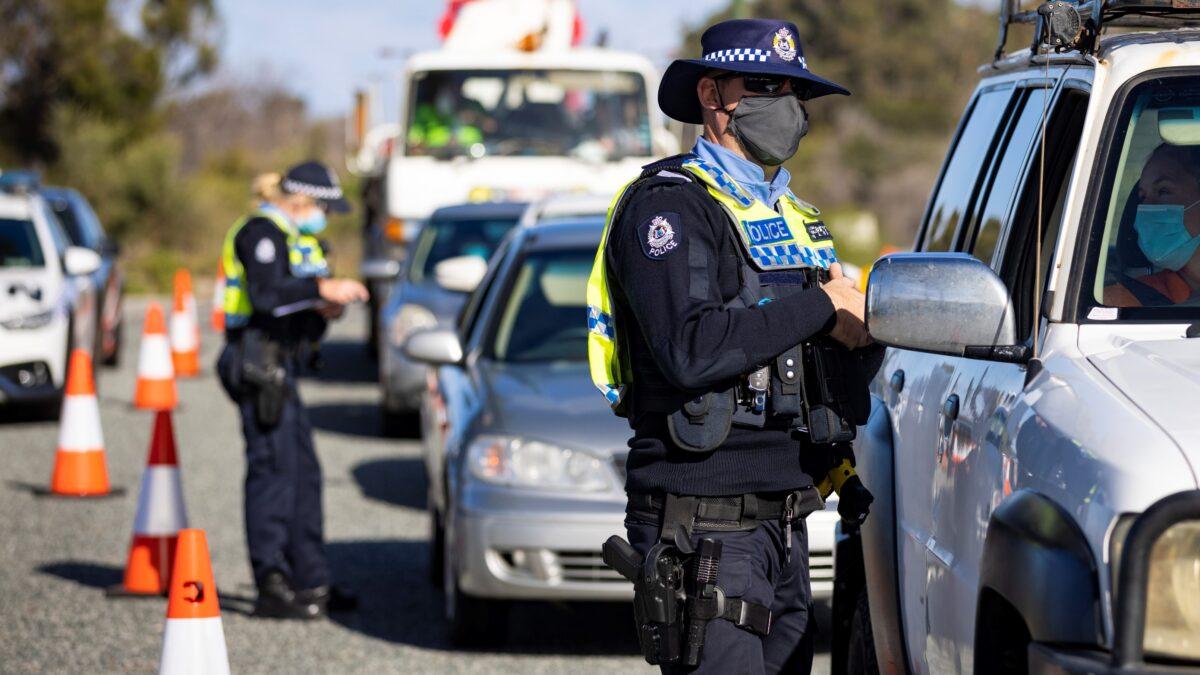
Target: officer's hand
column 342, row 291
column 850, row 305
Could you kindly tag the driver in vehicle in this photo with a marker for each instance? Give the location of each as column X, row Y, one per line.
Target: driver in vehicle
column 1167, row 229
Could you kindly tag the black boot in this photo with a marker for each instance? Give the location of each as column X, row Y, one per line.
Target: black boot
column 276, row 600
column 331, row 598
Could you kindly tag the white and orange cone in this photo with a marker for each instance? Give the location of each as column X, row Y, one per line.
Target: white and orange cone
column 193, row 640
column 185, row 330
column 217, row 317
column 80, row 469
column 160, row 517
column 156, row 374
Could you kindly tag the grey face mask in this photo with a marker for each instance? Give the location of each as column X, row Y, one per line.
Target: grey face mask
column 769, row 127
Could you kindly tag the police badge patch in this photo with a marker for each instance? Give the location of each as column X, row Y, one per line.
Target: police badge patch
column 659, row 235
column 264, row 252
column 784, row 44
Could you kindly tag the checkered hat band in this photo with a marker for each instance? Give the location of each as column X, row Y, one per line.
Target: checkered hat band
column 727, row 55
column 316, row 191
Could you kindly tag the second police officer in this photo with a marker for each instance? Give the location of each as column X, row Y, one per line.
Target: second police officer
column 710, row 277
column 276, row 290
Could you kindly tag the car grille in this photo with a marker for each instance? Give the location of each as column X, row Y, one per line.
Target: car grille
column 550, row 565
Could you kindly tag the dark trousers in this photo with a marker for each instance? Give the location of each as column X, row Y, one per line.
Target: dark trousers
column 284, row 528
column 754, row 567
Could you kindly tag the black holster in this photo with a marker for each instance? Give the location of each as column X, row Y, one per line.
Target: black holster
column 264, row 377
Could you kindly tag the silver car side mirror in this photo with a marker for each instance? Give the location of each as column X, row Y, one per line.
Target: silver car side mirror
column 434, row 347
column 460, row 273
column 379, row 269
column 945, row 303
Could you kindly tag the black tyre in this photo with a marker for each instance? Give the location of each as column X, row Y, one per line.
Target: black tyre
column 114, row 359
column 860, row 657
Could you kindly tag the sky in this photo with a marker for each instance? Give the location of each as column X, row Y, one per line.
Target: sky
column 324, row 50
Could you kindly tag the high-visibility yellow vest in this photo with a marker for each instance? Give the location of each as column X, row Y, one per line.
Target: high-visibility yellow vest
column 787, row 237
column 305, row 259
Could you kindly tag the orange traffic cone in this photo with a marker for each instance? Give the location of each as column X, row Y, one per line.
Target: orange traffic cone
column 79, row 466
column 156, row 374
column 185, row 332
column 193, row 640
column 218, row 300
column 160, row 517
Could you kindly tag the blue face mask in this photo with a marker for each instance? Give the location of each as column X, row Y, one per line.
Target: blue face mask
column 313, row 223
column 1163, row 237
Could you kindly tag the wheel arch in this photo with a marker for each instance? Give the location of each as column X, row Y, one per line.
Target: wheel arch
column 1038, row 561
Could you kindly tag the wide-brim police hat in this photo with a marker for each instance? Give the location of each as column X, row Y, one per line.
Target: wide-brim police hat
column 756, row 46
column 318, row 181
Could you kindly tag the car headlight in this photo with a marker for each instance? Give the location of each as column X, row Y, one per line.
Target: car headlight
column 1173, row 594
column 410, row 318
column 29, row 321
column 527, row 463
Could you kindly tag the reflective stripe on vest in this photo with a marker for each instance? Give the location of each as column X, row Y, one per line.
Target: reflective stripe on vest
column 305, row 259
column 789, row 238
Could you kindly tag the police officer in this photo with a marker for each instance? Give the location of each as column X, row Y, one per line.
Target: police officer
column 271, row 298
column 711, row 276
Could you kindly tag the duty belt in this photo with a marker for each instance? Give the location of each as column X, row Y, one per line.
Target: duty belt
column 726, row 513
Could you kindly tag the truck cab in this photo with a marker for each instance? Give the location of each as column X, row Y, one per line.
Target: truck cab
column 1034, row 443
column 489, row 117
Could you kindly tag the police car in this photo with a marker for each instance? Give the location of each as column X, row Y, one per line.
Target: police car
column 1034, row 445
column 43, row 280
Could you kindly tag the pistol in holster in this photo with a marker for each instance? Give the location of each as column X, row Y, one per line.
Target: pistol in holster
column 264, row 377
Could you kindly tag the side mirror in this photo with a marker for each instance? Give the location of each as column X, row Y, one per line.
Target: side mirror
column 945, row 303
column 79, row 261
column 434, row 347
column 462, row 273
column 379, row 269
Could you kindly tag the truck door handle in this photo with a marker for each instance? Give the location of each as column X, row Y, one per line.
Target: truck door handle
column 897, row 381
column 950, row 408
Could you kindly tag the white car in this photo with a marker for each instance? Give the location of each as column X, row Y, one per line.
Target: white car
column 42, row 283
column 1034, row 441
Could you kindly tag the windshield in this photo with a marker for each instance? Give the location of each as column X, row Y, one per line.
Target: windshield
column 444, row 239
column 1148, row 258
column 19, row 245
column 597, row 115
column 543, row 317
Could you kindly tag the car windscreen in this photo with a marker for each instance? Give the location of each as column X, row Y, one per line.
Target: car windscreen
column 1145, row 253
column 76, row 230
column 444, row 239
column 543, row 317
column 19, row 246
column 594, row 115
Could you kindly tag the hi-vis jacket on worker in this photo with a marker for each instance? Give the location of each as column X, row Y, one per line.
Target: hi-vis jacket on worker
column 305, row 258
column 788, row 236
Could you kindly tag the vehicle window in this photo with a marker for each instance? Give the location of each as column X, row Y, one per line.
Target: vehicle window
column 444, row 239
column 960, row 178
column 1020, row 268
column 543, row 313
column 1144, row 257
column 72, row 225
column 57, row 232
column 470, row 311
column 1010, row 168
column 600, row 115
column 19, row 245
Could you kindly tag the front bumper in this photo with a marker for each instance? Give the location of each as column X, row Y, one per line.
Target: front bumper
column 1048, row 660
column 821, row 535
column 25, row 355
column 538, row 548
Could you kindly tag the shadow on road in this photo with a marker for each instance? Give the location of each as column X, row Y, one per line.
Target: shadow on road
column 398, row 604
column 93, row 575
column 345, row 361
column 398, row 481
column 352, row 419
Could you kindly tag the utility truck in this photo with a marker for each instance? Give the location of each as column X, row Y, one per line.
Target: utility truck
column 510, row 107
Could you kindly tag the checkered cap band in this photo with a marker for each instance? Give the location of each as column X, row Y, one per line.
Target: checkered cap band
column 315, row 191
column 745, row 54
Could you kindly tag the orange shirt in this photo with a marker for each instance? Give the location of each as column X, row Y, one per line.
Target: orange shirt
column 1170, row 283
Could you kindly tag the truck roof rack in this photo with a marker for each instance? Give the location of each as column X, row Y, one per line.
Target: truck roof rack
column 1074, row 25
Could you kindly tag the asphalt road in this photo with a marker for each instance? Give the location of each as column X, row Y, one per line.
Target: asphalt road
column 56, row 556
